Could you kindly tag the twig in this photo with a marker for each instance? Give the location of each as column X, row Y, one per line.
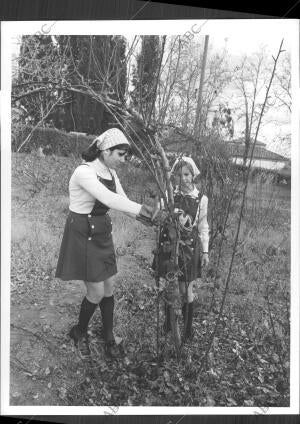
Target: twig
column 156, row 81
column 20, row 365
column 39, row 123
column 220, row 248
column 38, row 336
column 275, row 336
column 240, row 216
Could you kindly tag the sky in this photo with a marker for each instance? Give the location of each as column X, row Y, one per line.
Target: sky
column 239, row 42
column 240, row 45
column 276, row 123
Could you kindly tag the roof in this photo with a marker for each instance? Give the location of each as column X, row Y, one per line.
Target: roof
column 237, row 150
column 178, row 141
column 241, row 140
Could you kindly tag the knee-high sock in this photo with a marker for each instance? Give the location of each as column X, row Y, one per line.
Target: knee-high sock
column 86, row 311
column 190, row 313
column 167, row 323
column 107, row 313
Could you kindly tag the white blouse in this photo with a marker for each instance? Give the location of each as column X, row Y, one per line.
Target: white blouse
column 85, row 188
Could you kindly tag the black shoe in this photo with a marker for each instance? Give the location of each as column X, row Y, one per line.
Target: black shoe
column 112, row 350
column 81, row 342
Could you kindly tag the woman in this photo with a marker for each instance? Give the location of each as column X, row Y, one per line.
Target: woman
column 87, row 250
column 191, row 209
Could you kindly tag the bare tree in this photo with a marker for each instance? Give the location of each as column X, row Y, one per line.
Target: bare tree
column 198, row 125
column 250, row 81
column 178, row 92
column 282, row 86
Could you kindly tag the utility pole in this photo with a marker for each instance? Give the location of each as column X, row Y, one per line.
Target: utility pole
column 197, row 125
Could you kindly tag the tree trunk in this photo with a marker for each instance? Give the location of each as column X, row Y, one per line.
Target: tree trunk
column 197, row 126
column 247, row 135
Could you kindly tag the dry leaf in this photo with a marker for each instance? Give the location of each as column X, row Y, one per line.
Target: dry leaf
column 248, row 402
column 210, row 401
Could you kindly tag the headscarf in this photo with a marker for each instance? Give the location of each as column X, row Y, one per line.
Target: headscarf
column 110, row 138
column 190, row 162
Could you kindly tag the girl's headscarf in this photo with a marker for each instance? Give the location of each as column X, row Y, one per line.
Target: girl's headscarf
column 190, row 162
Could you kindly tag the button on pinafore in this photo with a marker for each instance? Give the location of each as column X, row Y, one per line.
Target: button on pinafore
column 87, row 252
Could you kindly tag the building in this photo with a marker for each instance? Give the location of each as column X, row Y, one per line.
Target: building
column 262, row 157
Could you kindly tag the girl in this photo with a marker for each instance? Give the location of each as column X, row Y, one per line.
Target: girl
column 87, row 251
column 191, row 210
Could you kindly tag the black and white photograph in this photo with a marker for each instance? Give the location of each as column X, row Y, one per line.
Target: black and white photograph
column 150, row 179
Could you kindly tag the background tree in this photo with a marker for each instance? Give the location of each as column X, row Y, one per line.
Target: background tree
column 65, row 62
column 179, row 85
column 282, row 93
column 39, row 64
column 97, row 62
column 250, row 81
column 144, row 75
column 282, row 86
column 198, row 125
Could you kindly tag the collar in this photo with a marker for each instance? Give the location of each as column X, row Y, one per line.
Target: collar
column 101, row 169
column 193, row 193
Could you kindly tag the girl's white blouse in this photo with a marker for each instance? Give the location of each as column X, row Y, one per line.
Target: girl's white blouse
column 85, row 188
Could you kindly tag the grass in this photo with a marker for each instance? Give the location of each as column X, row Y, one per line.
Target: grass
column 249, row 361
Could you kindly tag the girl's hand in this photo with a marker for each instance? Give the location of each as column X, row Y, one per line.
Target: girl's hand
column 205, row 260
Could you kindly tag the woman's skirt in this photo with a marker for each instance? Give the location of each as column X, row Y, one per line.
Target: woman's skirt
column 87, row 252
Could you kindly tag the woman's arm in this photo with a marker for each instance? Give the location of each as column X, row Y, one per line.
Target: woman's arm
column 120, row 190
column 87, row 179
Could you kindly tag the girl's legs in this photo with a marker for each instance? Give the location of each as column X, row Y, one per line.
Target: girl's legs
column 94, row 294
column 186, row 291
column 107, row 312
column 97, row 294
column 78, row 333
column 167, row 322
column 102, row 294
column 107, row 309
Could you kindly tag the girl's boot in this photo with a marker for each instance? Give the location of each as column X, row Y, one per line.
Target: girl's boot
column 188, row 313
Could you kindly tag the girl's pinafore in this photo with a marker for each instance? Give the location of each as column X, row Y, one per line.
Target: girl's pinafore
column 189, row 257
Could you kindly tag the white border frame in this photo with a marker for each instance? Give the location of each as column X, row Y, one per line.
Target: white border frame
column 290, row 31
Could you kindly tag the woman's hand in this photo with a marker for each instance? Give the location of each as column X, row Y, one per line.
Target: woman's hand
column 151, row 215
column 204, row 259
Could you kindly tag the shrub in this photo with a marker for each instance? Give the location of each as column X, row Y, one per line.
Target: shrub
column 51, row 140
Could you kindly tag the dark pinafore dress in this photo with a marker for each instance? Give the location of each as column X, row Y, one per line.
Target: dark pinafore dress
column 189, row 251
column 87, row 252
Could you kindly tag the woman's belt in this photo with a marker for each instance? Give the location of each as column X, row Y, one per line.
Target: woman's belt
column 89, row 215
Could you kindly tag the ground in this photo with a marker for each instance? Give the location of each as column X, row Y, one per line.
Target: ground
column 248, row 360
column 41, row 352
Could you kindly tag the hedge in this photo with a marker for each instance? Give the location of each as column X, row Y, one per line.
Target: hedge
column 51, row 140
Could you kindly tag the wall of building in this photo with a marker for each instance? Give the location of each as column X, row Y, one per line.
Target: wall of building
column 262, row 163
